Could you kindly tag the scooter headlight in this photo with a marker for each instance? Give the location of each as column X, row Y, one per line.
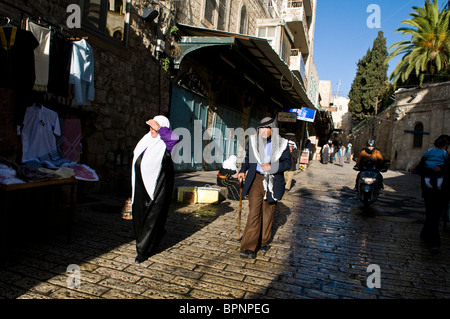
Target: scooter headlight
column 368, row 180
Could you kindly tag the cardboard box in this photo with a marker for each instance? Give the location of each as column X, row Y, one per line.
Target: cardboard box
column 208, row 195
column 187, row 194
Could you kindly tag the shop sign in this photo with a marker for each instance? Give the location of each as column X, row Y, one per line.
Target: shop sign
column 287, row 117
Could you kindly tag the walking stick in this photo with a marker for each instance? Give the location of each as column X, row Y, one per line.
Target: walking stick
column 240, row 209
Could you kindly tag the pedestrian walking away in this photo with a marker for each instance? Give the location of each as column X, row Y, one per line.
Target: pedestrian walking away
column 349, row 153
column 435, row 198
column 332, row 151
column 342, row 154
column 152, row 182
column 434, row 157
column 289, row 174
column 266, row 160
column 325, row 154
column 228, row 177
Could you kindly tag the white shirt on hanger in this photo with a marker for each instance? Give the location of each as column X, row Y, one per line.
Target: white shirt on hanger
column 82, row 72
column 41, row 55
column 40, row 125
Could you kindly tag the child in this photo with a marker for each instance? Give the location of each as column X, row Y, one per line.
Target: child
column 434, row 157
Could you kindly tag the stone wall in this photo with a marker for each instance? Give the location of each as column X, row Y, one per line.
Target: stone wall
column 130, row 88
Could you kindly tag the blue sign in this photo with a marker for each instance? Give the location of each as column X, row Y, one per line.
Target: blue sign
column 304, row 114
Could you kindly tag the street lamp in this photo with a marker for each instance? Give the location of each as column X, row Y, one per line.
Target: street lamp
column 149, row 14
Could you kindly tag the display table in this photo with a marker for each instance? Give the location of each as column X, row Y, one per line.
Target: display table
column 6, row 198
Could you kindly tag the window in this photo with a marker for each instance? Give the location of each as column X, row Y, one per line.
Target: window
column 243, row 22
column 222, row 12
column 107, row 17
column 216, row 13
column 267, row 33
column 209, row 10
column 418, row 135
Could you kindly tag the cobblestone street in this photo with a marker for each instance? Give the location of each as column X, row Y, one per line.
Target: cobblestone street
column 323, row 243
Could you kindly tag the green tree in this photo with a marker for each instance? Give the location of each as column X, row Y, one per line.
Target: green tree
column 427, row 53
column 371, row 82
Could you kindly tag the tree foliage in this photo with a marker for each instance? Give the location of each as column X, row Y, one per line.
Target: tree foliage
column 370, row 84
column 426, row 55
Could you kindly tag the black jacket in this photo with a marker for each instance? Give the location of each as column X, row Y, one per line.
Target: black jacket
column 283, row 164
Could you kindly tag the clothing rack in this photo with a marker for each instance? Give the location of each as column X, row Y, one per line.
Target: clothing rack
column 39, row 20
column 17, row 17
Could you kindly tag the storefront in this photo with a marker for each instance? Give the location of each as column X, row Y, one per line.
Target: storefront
column 239, row 79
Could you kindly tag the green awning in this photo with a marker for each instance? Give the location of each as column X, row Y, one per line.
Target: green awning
column 256, row 52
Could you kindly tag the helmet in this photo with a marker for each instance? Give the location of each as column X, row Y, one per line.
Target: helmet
column 370, row 143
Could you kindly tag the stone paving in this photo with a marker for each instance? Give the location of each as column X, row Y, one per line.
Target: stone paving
column 323, row 243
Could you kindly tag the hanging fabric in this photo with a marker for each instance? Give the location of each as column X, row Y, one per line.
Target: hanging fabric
column 82, row 72
column 71, row 144
column 41, row 54
column 59, row 67
column 17, row 58
column 40, row 125
column 17, row 71
column 8, row 44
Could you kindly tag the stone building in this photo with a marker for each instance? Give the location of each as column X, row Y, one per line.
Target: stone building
column 342, row 119
column 225, row 63
column 408, row 128
column 240, row 61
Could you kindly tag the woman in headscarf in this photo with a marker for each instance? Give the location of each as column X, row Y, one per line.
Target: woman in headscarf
column 227, row 177
column 152, row 181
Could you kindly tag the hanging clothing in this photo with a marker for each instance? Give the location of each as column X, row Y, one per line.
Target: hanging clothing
column 17, row 58
column 82, row 72
column 59, row 67
column 71, row 139
column 40, row 125
column 41, row 54
column 17, row 70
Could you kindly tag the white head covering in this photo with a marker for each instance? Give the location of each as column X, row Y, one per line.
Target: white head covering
column 151, row 161
column 230, row 163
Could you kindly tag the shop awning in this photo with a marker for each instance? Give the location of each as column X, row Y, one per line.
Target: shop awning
column 253, row 52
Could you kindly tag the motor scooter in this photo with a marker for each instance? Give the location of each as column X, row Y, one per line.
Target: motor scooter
column 369, row 183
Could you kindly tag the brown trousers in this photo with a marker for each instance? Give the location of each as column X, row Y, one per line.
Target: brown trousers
column 260, row 217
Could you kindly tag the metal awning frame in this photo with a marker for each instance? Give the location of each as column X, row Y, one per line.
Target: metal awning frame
column 256, row 51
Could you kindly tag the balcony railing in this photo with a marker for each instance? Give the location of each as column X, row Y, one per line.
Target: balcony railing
column 294, row 11
column 294, row 4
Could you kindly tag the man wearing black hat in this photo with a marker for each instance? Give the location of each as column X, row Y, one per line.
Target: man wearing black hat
column 267, row 159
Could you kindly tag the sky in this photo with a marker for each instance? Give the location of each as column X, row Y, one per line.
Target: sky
column 342, row 35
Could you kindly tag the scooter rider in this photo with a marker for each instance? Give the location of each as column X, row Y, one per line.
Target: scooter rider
column 370, row 154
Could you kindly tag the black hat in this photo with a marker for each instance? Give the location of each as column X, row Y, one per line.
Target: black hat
column 268, row 122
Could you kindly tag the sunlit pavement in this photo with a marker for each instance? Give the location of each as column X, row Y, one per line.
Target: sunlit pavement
column 325, row 246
